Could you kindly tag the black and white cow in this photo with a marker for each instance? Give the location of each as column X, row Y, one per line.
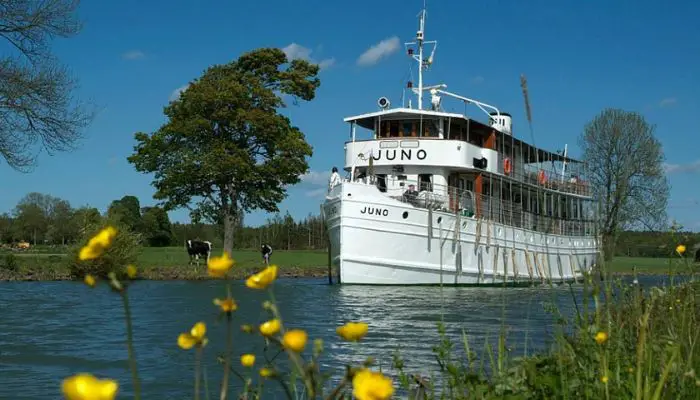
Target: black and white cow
column 196, row 248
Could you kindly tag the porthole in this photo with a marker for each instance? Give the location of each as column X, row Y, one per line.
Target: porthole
column 464, row 225
column 349, row 194
column 439, row 220
column 405, row 214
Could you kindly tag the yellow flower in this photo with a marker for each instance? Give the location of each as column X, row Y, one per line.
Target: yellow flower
column 368, row 385
column 270, row 327
column 601, row 337
column 266, row 372
column 90, row 280
column 98, row 244
column 604, row 379
column 352, row 331
column 195, row 337
column 131, row 271
column 227, row 305
column 680, row 249
column 247, row 360
column 295, row 340
column 262, row 279
column 219, row 266
column 87, row 387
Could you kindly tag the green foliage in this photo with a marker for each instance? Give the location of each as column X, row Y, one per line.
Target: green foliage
column 156, row 227
column 225, row 143
column 124, row 250
column 9, row 263
column 127, row 211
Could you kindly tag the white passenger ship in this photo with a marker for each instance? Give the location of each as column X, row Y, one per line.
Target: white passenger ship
column 433, row 197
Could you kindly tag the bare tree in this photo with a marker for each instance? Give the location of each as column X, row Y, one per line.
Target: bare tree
column 36, row 103
column 625, row 167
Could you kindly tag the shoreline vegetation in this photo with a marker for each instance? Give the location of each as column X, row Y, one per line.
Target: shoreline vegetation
column 171, row 263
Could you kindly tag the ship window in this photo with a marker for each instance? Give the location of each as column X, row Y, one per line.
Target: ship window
column 381, row 182
column 408, row 129
column 394, row 129
column 425, row 182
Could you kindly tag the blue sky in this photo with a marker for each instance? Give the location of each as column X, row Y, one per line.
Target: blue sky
column 579, row 57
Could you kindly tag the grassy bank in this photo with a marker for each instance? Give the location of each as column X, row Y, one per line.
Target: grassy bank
column 171, row 263
column 162, row 263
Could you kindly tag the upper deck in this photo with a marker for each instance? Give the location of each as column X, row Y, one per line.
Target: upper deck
column 404, row 137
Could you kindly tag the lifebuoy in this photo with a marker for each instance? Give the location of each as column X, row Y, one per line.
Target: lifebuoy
column 507, row 166
column 541, row 178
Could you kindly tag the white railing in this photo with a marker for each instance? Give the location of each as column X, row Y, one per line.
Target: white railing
column 504, row 211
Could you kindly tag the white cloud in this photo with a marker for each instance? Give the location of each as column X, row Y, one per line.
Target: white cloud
column 667, row 102
column 133, row 55
column 176, row 93
column 379, row 51
column 296, row 51
column 315, row 178
column 676, row 168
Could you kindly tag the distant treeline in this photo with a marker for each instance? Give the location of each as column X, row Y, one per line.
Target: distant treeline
column 44, row 219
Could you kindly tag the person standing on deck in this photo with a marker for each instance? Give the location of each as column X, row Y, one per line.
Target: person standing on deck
column 266, row 251
column 334, row 180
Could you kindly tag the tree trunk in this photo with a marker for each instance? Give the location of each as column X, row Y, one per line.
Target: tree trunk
column 229, row 230
column 608, row 246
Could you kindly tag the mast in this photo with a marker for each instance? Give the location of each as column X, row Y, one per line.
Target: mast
column 422, row 64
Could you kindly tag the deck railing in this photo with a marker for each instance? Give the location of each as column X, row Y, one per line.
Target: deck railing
column 553, row 219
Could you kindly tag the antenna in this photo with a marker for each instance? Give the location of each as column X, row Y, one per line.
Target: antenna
column 422, row 64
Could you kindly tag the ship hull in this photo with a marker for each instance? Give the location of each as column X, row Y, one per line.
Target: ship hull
column 376, row 240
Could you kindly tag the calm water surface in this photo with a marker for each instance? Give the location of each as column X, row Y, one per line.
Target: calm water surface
column 50, row 330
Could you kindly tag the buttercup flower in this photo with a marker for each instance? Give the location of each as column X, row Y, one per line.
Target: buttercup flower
column 604, row 379
column 352, row 331
column 266, row 372
column 195, row 337
column 131, row 271
column 219, row 266
column 295, row 340
column 270, row 327
column 247, row 360
column 680, row 249
column 90, row 280
column 87, row 387
column 601, row 337
column 368, row 385
column 262, row 279
column 227, row 305
column 98, row 244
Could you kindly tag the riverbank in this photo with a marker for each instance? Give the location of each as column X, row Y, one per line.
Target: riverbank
column 171, row 263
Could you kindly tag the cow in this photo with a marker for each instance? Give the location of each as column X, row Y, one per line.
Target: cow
column 196, row 248
column 697, row 255
column 266, row 251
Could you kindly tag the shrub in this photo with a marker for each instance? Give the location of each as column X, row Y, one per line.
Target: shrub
column 10, row 263
column 124, row 250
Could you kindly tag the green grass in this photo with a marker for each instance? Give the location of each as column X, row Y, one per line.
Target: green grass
column 645, row 265
column 167, row 263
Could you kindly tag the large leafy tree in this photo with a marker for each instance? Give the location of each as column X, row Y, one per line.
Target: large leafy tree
column 624, row 162
column 225, row 145
column 36, row 103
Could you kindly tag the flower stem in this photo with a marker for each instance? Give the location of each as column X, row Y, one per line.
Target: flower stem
column 229, row 344
column 130, row 347
column 197, row 367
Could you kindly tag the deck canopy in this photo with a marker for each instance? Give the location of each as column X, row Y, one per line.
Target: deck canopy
column 534, row 154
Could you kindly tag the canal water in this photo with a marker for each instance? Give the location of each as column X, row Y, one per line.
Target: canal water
column 50, row 330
